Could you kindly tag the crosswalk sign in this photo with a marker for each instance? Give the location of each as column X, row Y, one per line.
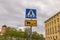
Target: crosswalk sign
column 31, row 13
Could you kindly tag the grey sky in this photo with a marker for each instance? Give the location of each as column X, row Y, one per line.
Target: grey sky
column 12, row 12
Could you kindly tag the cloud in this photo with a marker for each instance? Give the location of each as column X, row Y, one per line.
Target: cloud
column 12, row 12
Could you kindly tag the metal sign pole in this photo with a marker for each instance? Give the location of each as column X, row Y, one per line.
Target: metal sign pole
column 30, row 13
column 30, row 32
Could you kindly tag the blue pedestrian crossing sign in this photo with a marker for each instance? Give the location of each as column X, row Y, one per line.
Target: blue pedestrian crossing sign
column 31, row 13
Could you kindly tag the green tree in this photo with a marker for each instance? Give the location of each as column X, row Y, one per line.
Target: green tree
column 11, row 32
column 37, row 36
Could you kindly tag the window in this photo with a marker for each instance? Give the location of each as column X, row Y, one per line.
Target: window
column 51, row 37
column 46, row 32
column 57, row 19
column 55, row 29
column 49, row 30
column 52, row 30
column 56, row 37
column 52, row 23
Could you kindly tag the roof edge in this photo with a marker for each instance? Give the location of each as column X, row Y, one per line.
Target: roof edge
column 52, row 17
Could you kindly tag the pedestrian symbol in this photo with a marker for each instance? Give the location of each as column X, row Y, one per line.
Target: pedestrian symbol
column 30, row 13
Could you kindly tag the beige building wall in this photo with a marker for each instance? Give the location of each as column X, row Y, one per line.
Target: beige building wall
column 52, row 27
column 3, row 30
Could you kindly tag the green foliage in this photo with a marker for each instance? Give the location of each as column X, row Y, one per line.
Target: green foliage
column 19, row 34
column 37, row 36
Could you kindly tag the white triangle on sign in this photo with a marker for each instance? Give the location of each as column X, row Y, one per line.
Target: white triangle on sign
column 31, row 14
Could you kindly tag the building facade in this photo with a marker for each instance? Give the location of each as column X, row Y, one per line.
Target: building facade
column 3, row 31
column 52, row 27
